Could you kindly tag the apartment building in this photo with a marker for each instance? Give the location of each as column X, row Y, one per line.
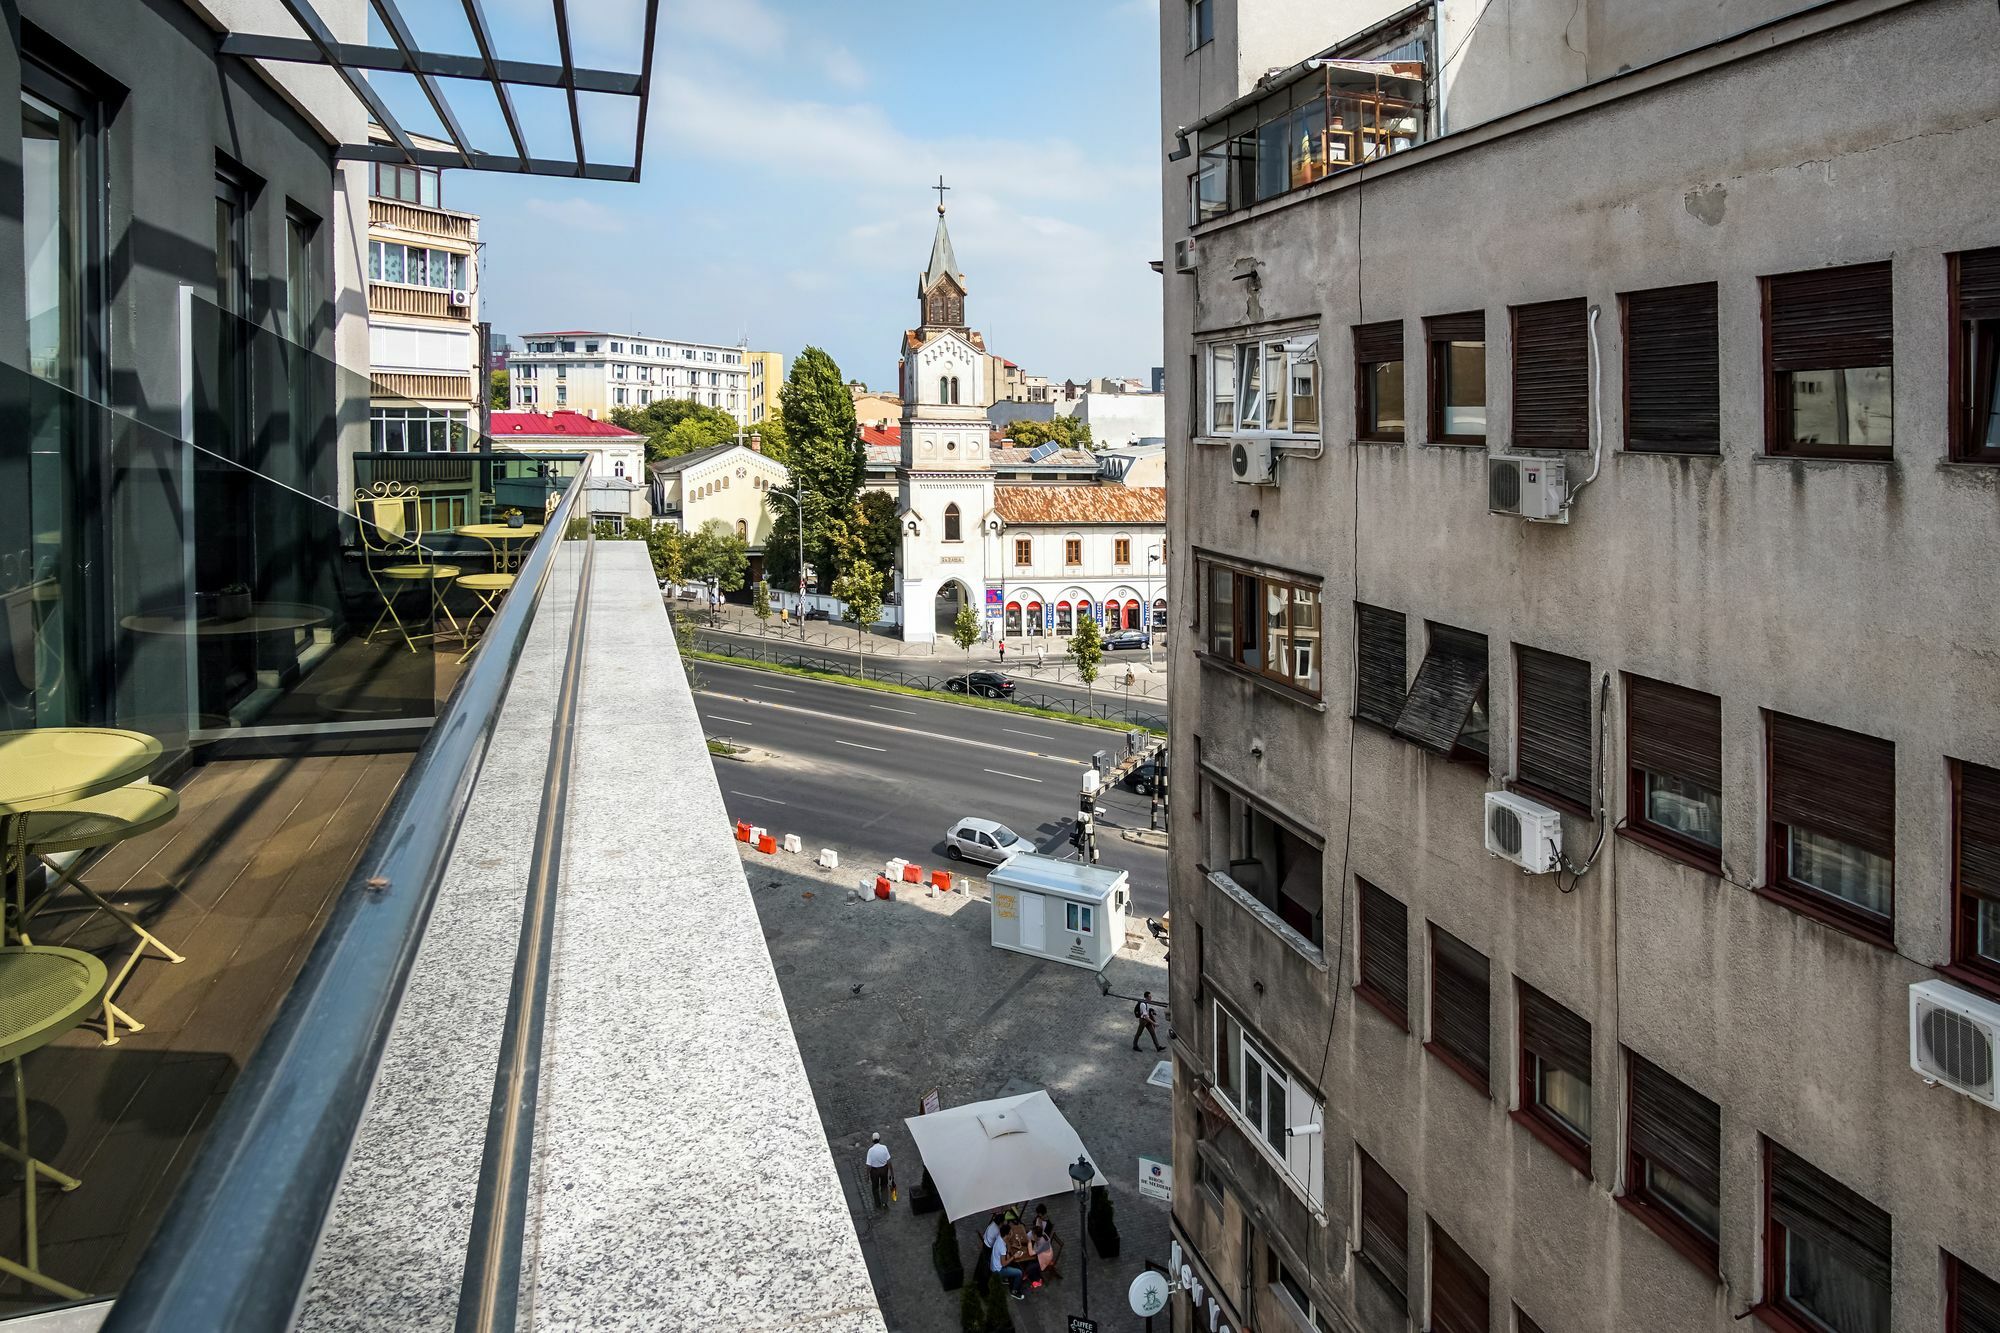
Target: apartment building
column 1583, row 432
column 767, row 384
column 423, row 310
column 593, row 373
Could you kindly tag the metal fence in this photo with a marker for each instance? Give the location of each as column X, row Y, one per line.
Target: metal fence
column 1108, row 702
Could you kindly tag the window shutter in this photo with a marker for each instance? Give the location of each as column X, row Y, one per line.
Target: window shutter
column 1978, row 1301
column 1807, row 1200
column 1469, row 327
column 1379, row 342
column 1979, row 284
column 1979, row 829
column 1677, row 1127
column 1552, row 375
column 1384, row 668
column 1459, row 1300
column 1836, row 782
column 1385, row 1225
column 1830, row 318
column 1673, row 370
column 1555, row 740
column 1451, row 677
column 1385, row 951
column 1523, row 1324
column 1674, row 731
column 1460, row 1020
column 1559, row 1037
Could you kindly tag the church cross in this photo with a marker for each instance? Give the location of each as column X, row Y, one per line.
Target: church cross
column 940, row 187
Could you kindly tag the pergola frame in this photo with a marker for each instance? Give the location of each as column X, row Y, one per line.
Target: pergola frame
column 352, row 60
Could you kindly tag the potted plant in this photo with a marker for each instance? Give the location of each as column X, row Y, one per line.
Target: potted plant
column 1102, row 1222
column 944, row 1255
column 513, row 517
column 924, row 1198
column 971, row 1310
column 233, row 602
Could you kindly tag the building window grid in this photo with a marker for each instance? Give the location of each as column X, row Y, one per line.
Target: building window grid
column 1555, row 1075
column 1830, row 849
column 1263, row 623
column 1455, row 347
column 419, row 430
column 1827, row 1251
column 1378, row 382
column 1260, row 1091
column 1269, row 386
column 1673, row 1161
column 1829, row 363
column 416, row 266
column 1974, row 277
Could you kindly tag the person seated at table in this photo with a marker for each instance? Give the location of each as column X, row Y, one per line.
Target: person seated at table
column 1041, row 1226
column 1001, row 1263
column 1044, row 1245
column 1021, row 1255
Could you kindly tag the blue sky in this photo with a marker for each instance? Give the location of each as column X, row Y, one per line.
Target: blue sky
column 788, row 156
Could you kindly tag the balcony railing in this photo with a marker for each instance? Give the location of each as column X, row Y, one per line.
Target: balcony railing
column 421, row 220
column 388, row 298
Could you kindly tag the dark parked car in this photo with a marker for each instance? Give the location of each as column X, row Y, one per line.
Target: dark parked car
column 816, row 613
column 1126, row 638
column 986, row 684
column 1143, row 775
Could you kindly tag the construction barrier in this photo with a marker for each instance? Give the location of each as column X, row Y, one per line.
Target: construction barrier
column 941, row 880
column 912, row 874
column 882, row 886
column 767, row 844
column 742, row 831
column 829, row 859
column 792, row 843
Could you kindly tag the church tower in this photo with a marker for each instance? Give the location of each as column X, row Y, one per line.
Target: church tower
column 945, row 474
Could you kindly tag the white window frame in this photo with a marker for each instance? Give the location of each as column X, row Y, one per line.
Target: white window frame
column 1079, row 918
column 1289, row 353
column 1302, row 1163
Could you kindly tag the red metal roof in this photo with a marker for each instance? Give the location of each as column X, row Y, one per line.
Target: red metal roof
column 559, row 422
column 890, row 435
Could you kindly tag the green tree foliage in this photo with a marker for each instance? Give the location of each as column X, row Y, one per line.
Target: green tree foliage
column 861, row 589
column 498, row 390
column 760, row 601
column 771, row 437
column 1086, row 650
column 664, row 544
column 717, row 553
column 674, row 426
column 881, row 542
column 965, row 628
column 822, row 447
column 1066, row 431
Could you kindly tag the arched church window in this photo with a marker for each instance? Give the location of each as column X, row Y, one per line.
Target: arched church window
column 944, row 388
column 742, row 530
column 954, row 388
column 951, row 523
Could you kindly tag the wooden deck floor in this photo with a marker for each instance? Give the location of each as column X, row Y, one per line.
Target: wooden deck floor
column 240, row 883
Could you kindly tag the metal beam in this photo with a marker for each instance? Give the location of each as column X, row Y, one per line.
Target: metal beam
column 527, row 166
column 308, row 18
column 443, row 64
column 399, row 33
column 569, row 79
column 476, row 16
column 645, row 87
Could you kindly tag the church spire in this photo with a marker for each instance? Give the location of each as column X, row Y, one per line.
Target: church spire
column 941, row 289
column 943, row 262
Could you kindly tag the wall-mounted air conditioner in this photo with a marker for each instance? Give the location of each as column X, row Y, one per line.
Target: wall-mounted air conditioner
column 1953, row 1035
column 461, row 297
column 1525, row 832
column 1187, row 255
column 1254, row 462
column 1531, row 488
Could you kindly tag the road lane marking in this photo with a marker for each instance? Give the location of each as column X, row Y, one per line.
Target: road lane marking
column 1018, row 777
column 1012, row 752
column 906, row 712
column 737, row 720
column 753, row 796
column 857, row 745
column 1038, row 735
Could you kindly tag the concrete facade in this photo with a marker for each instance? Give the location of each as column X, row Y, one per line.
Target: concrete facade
column 595, row 372
column 1836, row 591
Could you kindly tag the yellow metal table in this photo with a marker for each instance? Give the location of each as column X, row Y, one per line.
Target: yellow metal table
column 507, row 543
column 49, row 766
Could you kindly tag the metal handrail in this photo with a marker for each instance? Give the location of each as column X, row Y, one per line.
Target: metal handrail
column 236, row 1246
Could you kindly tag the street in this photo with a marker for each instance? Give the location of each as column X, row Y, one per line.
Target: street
column 852, row 768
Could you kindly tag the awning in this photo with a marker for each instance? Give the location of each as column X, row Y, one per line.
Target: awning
column 986, row 1155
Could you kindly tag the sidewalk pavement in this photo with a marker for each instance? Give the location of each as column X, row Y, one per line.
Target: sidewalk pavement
column 890, row 999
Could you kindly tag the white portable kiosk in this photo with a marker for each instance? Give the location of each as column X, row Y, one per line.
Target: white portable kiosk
column 1062, row 910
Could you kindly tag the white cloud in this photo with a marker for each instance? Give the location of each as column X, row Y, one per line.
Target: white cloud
column 747, row 26
column 843, row 70
column 577, row 214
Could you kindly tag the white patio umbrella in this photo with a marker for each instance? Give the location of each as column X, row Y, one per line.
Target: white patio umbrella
column 985, row 1155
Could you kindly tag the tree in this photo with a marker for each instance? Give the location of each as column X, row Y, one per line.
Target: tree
column 675, row 426
column 823, row 449
column 861, row 589
column 498, row 390
column 965, row 628
column 881, row 542
column 771, row 437
column 1068, row 432
column 1086, row 650
column 716, row 554
column 663, row 544
column 760, row 601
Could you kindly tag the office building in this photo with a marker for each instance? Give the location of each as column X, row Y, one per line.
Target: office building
column 594, row 372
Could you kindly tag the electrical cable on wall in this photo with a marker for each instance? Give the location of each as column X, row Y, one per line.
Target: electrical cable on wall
column 1596, row 413
column 1603, row 778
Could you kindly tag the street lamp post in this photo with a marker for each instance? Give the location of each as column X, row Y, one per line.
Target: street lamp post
column 1152, row 558
column 800, row 504
column 1081, row 1171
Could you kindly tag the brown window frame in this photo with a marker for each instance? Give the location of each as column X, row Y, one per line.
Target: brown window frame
column 1248, row 593
column 1440, row 332
column 1546, row 1036
column 1447, row 1255
column 1382, row 658
column 1548, row 742
column 1978, row 787
column 1377, row 970
column 1121, row 550
column 1373, row 1182
column 1973, row 278
column 1655, row 710
column 1678, row 369
column 1777, row 1309
column 1461, row 1063
column 1781, row 795
column 1555, row 412
column 1968, row 1291
column 1072, row 552
column 1781, row 361
column 954, row 530
column 1683, row 1114
column 1377, row 345
column 1024, row 552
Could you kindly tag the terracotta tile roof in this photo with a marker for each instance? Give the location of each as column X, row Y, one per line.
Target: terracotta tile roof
column 1081, row 504
column 1011, row 455
column 558, row 423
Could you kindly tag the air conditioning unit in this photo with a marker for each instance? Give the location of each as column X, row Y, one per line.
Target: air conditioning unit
column 1953, row 1035
column 1530, row 488
column 461, row 297
column 1254, row 462
column 1187, row 255
column 1525, row 832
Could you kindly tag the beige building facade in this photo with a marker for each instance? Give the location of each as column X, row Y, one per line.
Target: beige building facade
column 767, row 384
column 726, row 483
column 594, row 372
column 1670, row 255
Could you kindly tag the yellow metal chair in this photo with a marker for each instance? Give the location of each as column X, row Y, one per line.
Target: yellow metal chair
column 489, row 589
column 390, row 515
column 87, row 826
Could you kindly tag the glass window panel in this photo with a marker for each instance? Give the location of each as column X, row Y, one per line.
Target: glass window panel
column 1211, row 197
column 1565, row 1096
column 1986, row 929
column 1271, row 154
column 1305, row 396
column 1385, row 398
column 1221, row 612
column 1229, row 1057
column 392, row 435
column 392, row 263
column 1274, row 1102
column 1686, row 808
column 1820, row 1283
column 1243, row 163
column 375, row 261
column 438, row 429
column 1277, row 597
column 1253, row 1088
column 427, row 188
column 1305, row 631
column 1839, row 869
column 1246, row 595
column 1276, row 395
column 1222, row 388
column 1249, row 388
column 1465, row 389
column 1841, row 408
column 440, row 268
column 1677, row 1196
column 1308, row 131
column 458, row 271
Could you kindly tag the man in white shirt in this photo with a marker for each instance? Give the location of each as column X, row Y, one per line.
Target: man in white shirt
column 881, row 1176
column 1148, row 1015
column 997, row 1257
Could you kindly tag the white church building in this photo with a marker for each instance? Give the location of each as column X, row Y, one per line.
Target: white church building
column 1035, row 539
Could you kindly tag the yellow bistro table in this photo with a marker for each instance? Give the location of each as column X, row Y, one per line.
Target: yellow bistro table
column 506, row 542
column 45, row 767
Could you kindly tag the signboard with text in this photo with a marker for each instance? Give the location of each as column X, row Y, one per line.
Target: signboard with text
column 1078, row 1324
column 1156, row 1178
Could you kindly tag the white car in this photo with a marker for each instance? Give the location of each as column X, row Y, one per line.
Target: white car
column 983, row 840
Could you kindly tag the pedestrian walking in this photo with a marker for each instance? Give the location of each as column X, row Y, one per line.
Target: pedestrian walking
column 881, row 1175
column 1003, row 652
column 1148, row 1015
column 1040, row 656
